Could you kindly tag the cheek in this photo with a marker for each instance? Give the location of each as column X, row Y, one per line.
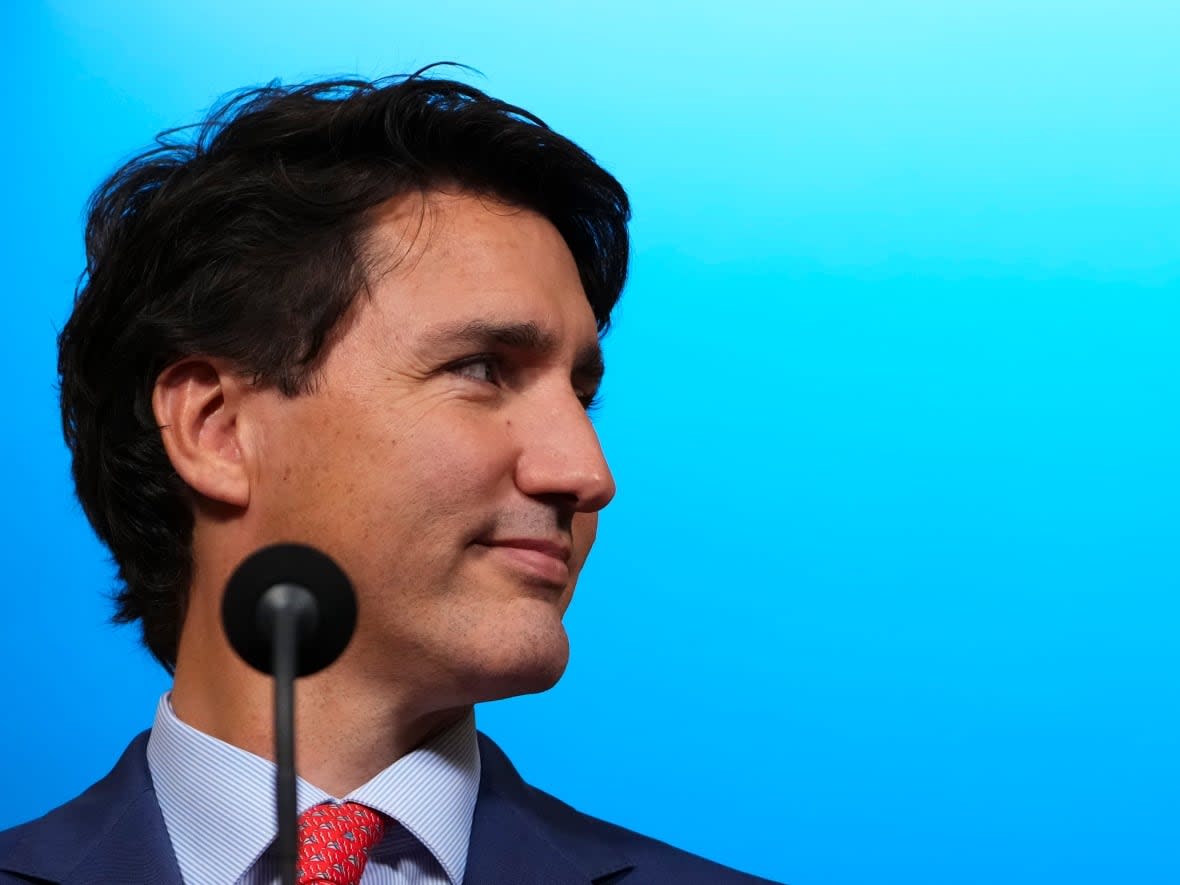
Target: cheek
column 455, row 442
column 443, row 470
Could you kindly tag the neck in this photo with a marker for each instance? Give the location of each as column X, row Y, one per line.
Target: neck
column 347, row 728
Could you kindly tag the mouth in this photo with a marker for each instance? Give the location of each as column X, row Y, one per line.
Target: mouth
column 541, row 561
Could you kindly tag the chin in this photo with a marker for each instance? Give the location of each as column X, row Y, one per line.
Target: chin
column 526, row 663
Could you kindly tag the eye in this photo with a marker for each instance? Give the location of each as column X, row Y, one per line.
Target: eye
column 590, row 400
column 478, row 368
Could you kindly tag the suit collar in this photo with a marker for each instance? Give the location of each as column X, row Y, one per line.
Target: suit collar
column 113, row 832
column 521, row 836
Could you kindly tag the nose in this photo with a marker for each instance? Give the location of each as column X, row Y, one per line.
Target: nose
column 560, row 456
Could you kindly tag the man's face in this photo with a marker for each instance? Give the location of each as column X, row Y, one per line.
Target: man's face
column 444, row 457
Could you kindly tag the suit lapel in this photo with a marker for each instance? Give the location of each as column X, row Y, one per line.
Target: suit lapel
column 520, row 836
column 506, row 849
column 113, row 832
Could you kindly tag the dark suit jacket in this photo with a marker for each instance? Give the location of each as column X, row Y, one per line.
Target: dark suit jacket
column 114, row 834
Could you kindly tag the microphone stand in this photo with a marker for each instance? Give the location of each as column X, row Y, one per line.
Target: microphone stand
column 286, row 612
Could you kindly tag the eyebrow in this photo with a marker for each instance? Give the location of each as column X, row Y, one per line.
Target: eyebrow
column 589, row 365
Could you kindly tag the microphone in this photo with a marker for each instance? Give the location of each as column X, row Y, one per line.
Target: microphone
column 288, row 611
column 286, row 577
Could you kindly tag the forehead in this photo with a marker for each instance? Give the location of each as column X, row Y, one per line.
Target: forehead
column 447, row 257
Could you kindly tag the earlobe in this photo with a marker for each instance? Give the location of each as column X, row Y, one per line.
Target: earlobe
column 197, row 404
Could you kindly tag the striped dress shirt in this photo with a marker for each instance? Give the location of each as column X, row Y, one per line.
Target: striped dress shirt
column 218, row 806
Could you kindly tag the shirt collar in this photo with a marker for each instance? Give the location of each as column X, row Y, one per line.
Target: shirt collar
column 431, row 791
column 215, row 794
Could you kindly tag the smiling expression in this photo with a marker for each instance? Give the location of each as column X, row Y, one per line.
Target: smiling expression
column 445, row 456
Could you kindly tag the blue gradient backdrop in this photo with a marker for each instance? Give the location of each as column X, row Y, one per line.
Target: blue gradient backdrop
column 889, row 592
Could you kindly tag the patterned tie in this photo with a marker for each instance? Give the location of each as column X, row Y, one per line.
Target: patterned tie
column 334, row 843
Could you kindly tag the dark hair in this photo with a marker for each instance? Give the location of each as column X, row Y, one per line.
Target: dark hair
column 242, row 238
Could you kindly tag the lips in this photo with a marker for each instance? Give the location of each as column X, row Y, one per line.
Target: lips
column 537, row 560
column 557, row 549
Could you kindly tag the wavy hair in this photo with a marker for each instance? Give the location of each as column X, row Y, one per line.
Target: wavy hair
column 242, row 238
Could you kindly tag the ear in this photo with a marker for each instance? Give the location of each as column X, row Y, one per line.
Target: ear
column 197, row 403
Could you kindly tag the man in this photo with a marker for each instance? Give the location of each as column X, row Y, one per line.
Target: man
column 364, row 317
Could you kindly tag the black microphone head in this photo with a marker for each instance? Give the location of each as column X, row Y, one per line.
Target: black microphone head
column 322, row 638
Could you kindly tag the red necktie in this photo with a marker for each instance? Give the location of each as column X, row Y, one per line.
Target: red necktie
column 334, row 843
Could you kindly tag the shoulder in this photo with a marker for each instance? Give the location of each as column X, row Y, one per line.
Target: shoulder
column 56, row 845
column 655, row 861
column 9, row 839
column 647, row 861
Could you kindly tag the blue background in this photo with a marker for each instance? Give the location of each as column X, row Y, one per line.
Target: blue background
column 889, row 592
